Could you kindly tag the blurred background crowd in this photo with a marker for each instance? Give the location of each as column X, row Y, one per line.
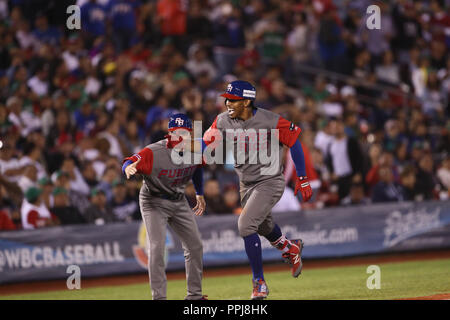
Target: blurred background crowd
column 373, row 104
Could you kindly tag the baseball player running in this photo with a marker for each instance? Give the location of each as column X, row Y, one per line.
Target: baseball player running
column 260, row 192
column 162, row 202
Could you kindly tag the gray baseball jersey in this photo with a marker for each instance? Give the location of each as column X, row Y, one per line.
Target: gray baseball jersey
column 162, row 202
column 256, row 135
column 160, row 173
column 261, row 182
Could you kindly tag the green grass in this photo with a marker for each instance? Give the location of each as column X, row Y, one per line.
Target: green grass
column 398, row 280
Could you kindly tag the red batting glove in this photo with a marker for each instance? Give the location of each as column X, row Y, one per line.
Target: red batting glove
column 302, row 184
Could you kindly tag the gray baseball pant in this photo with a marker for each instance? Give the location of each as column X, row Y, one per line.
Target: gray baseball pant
column 257, row 202
column 157, row 213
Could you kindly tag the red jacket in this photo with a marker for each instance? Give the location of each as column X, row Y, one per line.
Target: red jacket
column 6, row 222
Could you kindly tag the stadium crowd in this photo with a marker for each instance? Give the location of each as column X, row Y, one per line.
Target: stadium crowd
column 373, row 104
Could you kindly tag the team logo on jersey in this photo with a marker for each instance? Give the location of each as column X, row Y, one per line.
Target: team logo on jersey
column 140, row 250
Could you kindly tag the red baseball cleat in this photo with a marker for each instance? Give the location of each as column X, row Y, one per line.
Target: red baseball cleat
column 294, row 257
column 260, row 290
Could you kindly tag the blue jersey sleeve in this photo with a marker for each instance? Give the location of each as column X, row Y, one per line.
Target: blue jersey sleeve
column 125, row 164
column 197, row 179
column 299, row 159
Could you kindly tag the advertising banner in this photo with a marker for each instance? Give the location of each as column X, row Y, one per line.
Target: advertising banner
column 121, row 248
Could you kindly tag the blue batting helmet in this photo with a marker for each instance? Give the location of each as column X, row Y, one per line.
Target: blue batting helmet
column 239, row 90
column 179, row 121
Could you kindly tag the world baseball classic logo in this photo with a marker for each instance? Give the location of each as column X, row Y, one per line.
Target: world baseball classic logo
column 141, row 249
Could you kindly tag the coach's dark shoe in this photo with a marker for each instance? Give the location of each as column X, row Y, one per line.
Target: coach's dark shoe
column 260, row 289
column 294, row 257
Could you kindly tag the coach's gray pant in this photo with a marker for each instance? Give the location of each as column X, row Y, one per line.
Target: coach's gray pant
column 257, row 202
column 157, row 213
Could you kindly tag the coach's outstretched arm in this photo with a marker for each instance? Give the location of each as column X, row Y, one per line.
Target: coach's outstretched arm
column 141, row 162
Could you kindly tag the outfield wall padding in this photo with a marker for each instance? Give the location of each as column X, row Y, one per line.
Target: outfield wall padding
column 120, row 248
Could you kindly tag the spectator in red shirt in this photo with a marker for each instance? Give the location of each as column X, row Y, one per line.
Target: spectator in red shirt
column 10, row 199
column 5, row 221
column 35, row 213
column 386, row 159
column 172, row 16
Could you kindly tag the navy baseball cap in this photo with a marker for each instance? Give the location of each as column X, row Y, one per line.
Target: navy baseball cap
column 239, row 90
column 179, row 121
